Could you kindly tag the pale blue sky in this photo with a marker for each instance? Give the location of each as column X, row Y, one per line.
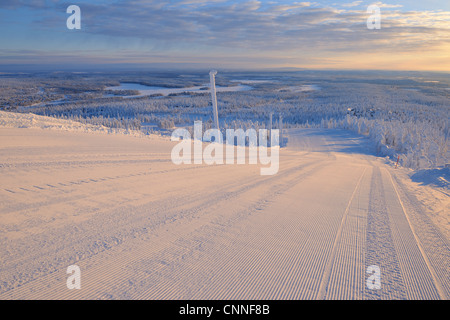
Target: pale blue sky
column 317, row 34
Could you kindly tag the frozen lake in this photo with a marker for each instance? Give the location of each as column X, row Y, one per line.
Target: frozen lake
column 301, row 88
column 150, row 90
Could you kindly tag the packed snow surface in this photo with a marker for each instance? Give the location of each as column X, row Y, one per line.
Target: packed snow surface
column 140, row 227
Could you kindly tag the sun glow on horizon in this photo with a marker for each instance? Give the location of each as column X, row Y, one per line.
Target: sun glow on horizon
column 250, row 34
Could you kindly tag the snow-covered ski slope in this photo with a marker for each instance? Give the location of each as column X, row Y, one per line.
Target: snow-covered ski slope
column 140, row 227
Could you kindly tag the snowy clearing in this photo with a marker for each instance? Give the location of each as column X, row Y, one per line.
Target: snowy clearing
column 140, row 227
column 33, row 121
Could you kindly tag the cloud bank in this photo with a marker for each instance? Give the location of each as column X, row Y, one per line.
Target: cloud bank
column 296, row 31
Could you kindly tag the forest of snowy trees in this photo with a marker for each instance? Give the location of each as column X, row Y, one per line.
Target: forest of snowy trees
column 402, row 117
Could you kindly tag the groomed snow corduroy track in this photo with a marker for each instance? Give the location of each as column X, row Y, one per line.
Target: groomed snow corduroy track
column 140, row 227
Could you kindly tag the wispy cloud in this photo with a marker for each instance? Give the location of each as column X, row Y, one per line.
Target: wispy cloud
column 248, row 25
column 386, row 5
column 352, row 4
column 253, row 28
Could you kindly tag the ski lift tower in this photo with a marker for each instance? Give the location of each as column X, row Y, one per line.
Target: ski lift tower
column 212, row 79
column 270, row 128
column 280, row 124
column 270, row 123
